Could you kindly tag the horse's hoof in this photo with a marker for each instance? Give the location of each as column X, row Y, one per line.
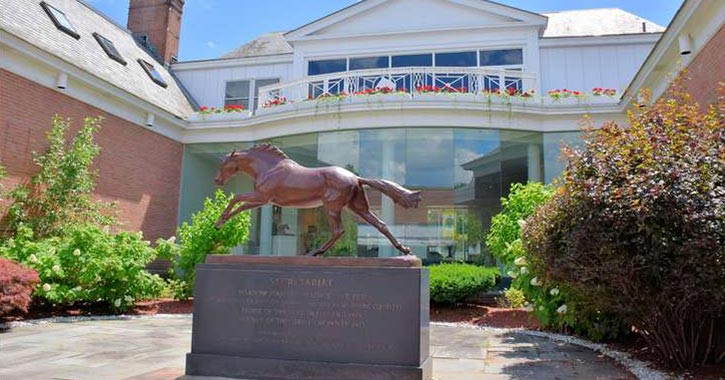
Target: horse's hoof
column 404, row 250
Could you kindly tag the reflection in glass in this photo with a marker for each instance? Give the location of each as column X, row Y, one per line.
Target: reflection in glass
column 461, row 59
column 326, row 66
column 554, row 163
column 502, row 57
column 413, row 60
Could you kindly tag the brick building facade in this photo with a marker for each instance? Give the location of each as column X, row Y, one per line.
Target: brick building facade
column 138, row 169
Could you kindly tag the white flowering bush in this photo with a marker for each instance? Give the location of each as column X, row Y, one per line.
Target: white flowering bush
column 88, row 265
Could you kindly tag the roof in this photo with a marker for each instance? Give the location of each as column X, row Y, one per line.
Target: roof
column 597, row 22
column 29, row 22
column 576, row 23
column 266, row 44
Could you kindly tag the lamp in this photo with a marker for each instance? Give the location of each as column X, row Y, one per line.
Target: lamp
column 62, row 81
column 685, row 42
column 150, row 120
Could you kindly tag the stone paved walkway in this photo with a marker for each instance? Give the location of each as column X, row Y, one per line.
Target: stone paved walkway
column 154, row 349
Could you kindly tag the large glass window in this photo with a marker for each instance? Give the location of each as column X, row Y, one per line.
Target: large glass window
column 466, row 58
column 502, row 57
column 326, row 66
column 462, row 172
column 412, row 60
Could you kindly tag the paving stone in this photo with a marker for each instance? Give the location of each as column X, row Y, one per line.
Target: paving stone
column 154, row 349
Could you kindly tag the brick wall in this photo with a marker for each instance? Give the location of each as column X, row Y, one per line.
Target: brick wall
column 139, row 169
column 707, row 70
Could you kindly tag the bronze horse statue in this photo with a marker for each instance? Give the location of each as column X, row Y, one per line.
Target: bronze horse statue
column 283, row 182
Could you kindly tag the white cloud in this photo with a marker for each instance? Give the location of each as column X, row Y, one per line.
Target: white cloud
column 210, row 44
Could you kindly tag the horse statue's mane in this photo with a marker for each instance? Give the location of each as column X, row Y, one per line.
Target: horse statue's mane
column 268, row 148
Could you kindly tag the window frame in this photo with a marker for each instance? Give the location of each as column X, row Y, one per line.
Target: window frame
column 145, row 65
column 247, row 98
column 113, row 54
column 49, row 10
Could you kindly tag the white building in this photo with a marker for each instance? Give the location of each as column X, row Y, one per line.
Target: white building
column 319, row 91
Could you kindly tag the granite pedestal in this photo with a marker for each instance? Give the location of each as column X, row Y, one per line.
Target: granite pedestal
column 304, row 318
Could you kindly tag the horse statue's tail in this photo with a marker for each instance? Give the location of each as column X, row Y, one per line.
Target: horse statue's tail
column 399, row 194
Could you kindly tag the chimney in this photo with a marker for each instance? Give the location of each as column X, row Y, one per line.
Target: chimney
column 159, row 23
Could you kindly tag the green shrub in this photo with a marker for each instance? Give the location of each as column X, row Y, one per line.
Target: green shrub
column 59, row 196
column 200, row 238
column 87, row 264
column 638, row 228
column 453, row 283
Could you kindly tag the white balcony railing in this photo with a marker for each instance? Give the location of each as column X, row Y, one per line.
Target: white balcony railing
column 470, row 80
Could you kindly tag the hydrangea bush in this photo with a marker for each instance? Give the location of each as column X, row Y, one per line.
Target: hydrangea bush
column 88, row 264
column 638, row 228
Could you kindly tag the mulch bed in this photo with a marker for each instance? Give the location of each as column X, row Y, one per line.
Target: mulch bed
column 478, row 315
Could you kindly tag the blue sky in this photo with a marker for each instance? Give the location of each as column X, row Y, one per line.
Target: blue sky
column 211, row 28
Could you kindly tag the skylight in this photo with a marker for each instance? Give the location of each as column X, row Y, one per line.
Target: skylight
column 61, row 22
column 153, row 74
column 109, row 48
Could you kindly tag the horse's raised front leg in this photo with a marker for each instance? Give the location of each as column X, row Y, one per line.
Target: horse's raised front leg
column 251, row 200
column 334, row 219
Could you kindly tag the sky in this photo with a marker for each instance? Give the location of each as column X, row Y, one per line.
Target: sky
column 210, row 28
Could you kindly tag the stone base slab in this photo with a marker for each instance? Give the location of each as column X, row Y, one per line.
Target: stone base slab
column 239, row 368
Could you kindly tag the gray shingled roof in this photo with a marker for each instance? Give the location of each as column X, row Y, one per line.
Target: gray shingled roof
column 597, row 22
column 266, row 44
column 27, row 20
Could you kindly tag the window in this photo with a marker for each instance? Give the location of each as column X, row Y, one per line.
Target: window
column 502, row 57
column 152, row 73
column 109, row 48
column 369, row 63
column 61, row 22
column 466, row 58
column 237, row 92
column 327, row 66
column 412, row 60
column 257, row 85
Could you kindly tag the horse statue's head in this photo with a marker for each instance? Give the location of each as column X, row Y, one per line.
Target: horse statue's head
column 252, row 161
column 230, row 165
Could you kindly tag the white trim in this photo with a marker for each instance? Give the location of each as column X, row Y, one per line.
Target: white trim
column 219, row 63
column 514, row 26
column 618, row 39
column 36, row 65
column 309, row 117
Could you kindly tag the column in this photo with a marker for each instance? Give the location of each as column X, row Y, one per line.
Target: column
column 387, row 206
column 265, row 230
column 534, row 163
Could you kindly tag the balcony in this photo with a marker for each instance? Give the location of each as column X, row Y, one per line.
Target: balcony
column 442, row 88
column 399, row 84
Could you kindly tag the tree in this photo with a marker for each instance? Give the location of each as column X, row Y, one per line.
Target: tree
column 60, row 194
column 638, row 227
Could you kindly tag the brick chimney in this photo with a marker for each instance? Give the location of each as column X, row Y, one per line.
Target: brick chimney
column 160, row 22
